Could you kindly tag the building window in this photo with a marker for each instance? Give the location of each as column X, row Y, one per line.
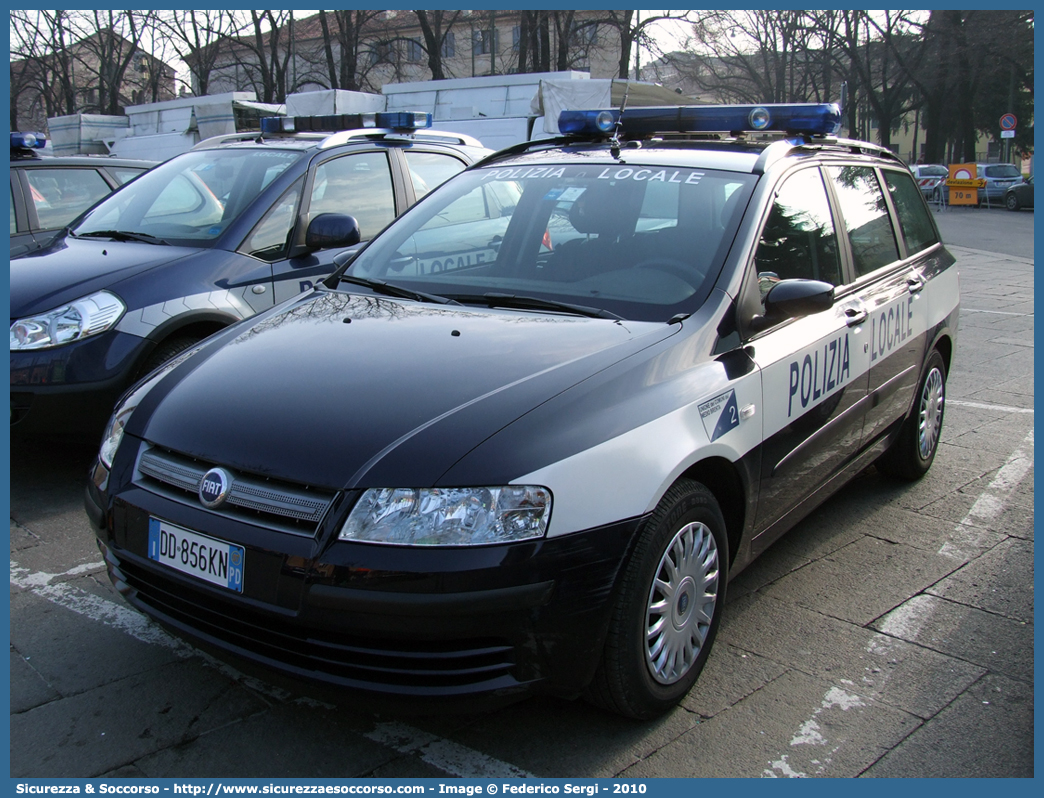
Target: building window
column 414, row 50
column 485, row 42
column 380, row 53
column 516, row 37
column 449, row 45
column 585, row 36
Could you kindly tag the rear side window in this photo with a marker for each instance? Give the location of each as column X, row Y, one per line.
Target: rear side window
column 1004, row 171
column 914, row 221
column 124, row 174
column 865, row 216
column 430, row 169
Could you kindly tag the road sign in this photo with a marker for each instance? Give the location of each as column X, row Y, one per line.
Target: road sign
column 1007, row 134
column 963, row 184
column 1008, row 122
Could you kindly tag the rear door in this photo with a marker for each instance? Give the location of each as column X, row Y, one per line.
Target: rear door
column 889, row 284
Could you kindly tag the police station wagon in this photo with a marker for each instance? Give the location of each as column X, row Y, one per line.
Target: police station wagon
column 521, row 442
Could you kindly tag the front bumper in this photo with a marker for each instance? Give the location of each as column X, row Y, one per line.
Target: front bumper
column 72, row 388
column 487, row 623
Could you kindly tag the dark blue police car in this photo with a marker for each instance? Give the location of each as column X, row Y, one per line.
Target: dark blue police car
column 47, row 193
column 210, row 237
column 521, row 442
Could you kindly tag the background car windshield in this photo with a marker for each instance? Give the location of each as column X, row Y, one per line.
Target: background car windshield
column 642, row 242
column 190, row 199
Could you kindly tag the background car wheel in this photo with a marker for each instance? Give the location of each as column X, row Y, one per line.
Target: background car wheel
column 668, row 608
column 1011, row 202
column 912, row 453
column 165, row 351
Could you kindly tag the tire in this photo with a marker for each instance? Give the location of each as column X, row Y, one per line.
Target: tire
column 668, row 608
column 911, row 454
column 165, row 351
column 1011, row 202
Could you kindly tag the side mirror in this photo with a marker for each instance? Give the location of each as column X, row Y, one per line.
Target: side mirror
column 791, row 299
column 332, row 230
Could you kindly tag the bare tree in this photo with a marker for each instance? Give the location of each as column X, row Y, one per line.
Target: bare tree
column 343, row 33
column 634, row 31
column 194, row 37
column 42, row 63
column 436, row 27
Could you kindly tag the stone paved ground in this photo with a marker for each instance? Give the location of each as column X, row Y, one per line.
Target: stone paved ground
column 890, row 634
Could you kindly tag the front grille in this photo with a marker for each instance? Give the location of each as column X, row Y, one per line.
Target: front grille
column 339, row 658
column 284, row 506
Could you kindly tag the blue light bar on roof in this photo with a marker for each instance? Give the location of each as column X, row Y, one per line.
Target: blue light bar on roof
column 332, row 123
column 817, row 119
column 33, row 141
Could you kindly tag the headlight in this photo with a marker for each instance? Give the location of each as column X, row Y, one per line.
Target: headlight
column 449, row 516
column 86, row 316
column 113, row 434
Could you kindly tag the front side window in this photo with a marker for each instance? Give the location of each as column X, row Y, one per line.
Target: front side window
column 798, row 240
column 914, row 219
column 359, row 185
column 641, row 242
column 866, row 217
column 190, row 199
column 60, row 195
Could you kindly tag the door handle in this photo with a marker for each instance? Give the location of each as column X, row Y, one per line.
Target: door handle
column 854, row 315
column 915, row 283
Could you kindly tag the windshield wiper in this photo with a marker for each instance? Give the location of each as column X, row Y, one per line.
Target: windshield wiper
column 123, row 235
column 388, row 289
column 495, row 300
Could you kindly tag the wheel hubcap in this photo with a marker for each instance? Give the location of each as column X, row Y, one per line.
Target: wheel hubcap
column 931, row 414
column 681, row 603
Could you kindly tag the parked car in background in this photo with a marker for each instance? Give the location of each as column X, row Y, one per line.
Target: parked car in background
column 931, row 179
column 999, row 178
column 49, row 192
column 1020, row 195
column 207, row 238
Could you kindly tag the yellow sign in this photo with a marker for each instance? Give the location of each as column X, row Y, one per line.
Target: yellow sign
column 963, row 184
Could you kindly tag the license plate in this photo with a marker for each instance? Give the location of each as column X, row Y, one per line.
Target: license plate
column 215, row 561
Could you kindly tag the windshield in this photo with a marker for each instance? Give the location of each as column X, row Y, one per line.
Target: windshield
column 641, row 242
column 190, row 199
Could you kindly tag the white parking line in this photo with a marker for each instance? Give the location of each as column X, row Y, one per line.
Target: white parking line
column 983, row 406
column 450, row 757
column 454, row 759
column 967, row 536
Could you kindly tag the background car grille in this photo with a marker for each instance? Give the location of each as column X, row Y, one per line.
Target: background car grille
column 297, row 509
column 335, row 657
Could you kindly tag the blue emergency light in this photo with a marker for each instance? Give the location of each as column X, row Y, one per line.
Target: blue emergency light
column 28, row 141
column 817, row 119
column 332, row 123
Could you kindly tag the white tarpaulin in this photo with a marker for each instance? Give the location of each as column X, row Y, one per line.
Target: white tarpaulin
column 333, row 101
column 555, row 96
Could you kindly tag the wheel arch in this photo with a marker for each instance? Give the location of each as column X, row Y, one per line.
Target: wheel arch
column 724, row 479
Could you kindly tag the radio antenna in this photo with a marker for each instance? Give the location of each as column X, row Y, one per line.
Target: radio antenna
column 614, row 142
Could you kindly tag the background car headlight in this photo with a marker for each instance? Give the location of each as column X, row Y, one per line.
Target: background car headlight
column 86, row 316
column 449, row 516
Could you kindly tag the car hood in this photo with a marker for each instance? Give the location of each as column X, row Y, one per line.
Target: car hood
column 74, row 267
column 345, row 391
